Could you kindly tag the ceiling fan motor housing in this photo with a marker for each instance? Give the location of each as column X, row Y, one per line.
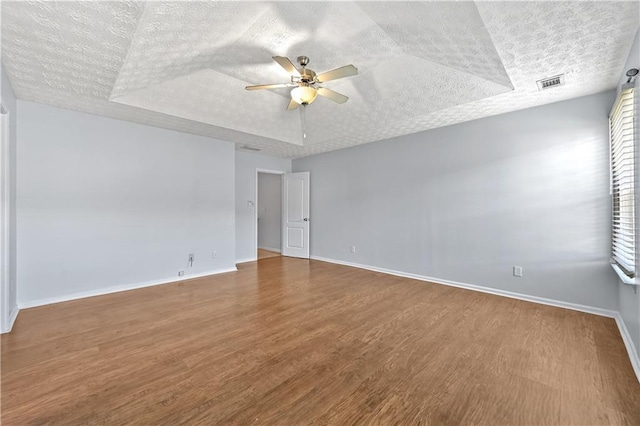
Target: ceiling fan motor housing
column 306, row 76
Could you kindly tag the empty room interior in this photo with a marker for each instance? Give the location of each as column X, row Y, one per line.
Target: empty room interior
column 314, row 213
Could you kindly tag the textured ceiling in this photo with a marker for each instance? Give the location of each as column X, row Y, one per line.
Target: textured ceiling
column 184, row 65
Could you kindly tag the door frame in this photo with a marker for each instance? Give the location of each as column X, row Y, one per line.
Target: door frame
column 5, row 214
column 255, row 209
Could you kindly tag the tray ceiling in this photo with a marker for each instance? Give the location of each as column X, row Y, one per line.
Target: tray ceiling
column 184, row 65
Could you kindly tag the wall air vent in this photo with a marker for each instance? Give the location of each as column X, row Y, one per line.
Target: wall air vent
column 551, row 82
column 249, row 148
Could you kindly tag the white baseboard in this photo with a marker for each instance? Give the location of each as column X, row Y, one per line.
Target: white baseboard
column 12, row 319
column 505, row 293
column 626, row 337
column 13, row 316
column 628, row 343
column 277, row 250
column 116, row 289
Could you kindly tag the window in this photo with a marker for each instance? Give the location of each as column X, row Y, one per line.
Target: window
column 621, row 130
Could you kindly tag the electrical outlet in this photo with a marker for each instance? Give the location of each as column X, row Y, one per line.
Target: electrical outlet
column 180, row 273
column 353, row 249
column 517, row 271
column 215, row 254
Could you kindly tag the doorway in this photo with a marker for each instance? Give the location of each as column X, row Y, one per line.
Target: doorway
column 268, row 214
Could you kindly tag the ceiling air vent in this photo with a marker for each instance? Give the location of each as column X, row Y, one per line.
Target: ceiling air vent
column 551, row 82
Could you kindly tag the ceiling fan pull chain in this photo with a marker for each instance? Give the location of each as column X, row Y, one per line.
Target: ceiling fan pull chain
column 303, row 122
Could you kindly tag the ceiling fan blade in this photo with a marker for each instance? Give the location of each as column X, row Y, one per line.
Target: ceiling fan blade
column 292, row 105
column 288, row 66
column 269, row 86
column 334, row 96
column 346, row 71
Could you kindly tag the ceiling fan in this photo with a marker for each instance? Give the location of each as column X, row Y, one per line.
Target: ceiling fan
column 306, row 82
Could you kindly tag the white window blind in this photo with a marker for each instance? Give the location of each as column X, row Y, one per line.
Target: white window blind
column 622, row 183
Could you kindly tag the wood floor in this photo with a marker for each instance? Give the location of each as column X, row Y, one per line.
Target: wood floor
column 295, row 342
column 265, row 254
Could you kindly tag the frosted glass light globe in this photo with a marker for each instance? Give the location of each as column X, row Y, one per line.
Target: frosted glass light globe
column 304, row 95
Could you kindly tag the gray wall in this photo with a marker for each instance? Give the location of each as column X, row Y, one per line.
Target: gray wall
column 269, row 211
column 9, row 102
column 104, row 203
column 246, row 166
column 468, row 202
column 629, row 296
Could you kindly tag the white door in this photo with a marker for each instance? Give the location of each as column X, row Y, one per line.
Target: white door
column 295, row 218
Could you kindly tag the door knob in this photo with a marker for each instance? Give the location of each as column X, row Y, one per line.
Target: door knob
column 306, row 219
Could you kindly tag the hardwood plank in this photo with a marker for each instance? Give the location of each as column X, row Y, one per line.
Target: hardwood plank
column 265, row 254
column 291, row 341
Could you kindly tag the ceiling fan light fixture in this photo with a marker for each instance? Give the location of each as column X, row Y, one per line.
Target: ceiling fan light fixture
column 304, row 95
